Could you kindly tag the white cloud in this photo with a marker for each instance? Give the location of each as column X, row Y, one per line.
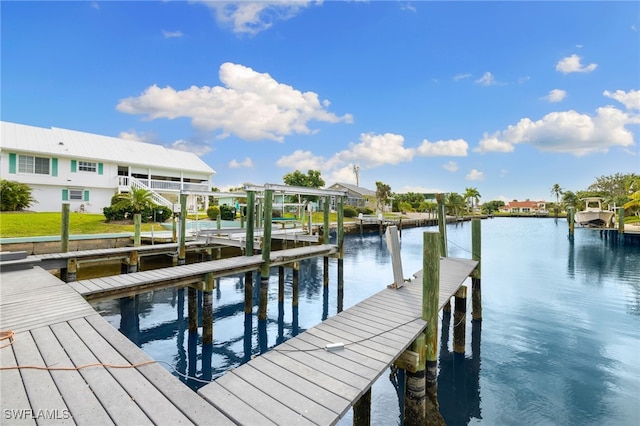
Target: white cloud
column 630, row 99
column 251, row 17
column 461, row 76
column 251, row 105
column 453, row 148
column 301, row 160
column 409, row 7
column 566, row 132
column 375, row 150
column 246, row 163
column 523, row 80
column 487, row 79
column 172, row 34
column 199, row 148
column 419, row 190
column 556, row 95
column 572, row 63
column 474, row 175
column 450, row 166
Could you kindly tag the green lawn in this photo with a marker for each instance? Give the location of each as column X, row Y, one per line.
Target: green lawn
column 29, row 224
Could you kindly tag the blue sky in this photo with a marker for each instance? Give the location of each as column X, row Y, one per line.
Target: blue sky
column 506, row 97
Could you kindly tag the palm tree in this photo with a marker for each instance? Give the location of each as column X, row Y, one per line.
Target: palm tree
column 557, row 191
column 138, row 200
column 472, row 196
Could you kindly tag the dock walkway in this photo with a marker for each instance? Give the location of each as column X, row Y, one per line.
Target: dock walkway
column 301, row 382
column 298, row 382
column 126, row 284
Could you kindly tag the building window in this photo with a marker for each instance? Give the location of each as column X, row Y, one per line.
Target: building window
column 33, row 165
column 75, row 194
column 86, row 166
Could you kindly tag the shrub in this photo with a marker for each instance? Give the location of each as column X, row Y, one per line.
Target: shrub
column 15, row 196
column 227, row 212
column 350, row 212
column 365, row 210
column 213, row 212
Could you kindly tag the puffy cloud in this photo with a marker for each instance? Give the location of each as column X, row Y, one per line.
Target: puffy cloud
column 246, row 163
column 572, row 63
column 474, row 175
column 376, row 150
column 630, row 99
column 198, row 147
column 301, row 160
column 556, row 95
column 450, row 166
column 251, row 17
column 251, row 105
column 453, row 148
column 567, row 132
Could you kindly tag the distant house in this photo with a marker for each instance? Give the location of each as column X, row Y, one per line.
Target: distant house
column 356, row 196
column 87, row 170
column 515, row 206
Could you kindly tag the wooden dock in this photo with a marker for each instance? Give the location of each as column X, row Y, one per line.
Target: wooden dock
column 298, row 382
column 192, row 274
column 54, row 326
column 301, row 382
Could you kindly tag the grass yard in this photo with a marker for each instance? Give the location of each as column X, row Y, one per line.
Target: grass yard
column 30, row 224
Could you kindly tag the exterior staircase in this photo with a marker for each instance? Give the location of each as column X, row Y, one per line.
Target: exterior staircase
column 130, row 183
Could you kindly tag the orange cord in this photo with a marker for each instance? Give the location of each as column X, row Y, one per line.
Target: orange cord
column 4, row 335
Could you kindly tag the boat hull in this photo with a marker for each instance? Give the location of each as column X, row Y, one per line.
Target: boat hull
column 591, row 218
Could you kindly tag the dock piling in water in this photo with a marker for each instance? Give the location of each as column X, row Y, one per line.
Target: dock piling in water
column 459, row 320
column 476, row 254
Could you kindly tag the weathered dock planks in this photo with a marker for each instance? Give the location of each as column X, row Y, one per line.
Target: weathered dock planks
column 190, row 274
column 300, row 382
column 66, row 332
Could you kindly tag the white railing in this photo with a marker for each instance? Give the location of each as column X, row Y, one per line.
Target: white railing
column 157, row 198
column 164, row 185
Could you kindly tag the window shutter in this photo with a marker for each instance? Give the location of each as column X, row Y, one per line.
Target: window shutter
column 54, row 167
column 86, row 195
column 100, row 168
column 65, row 195
column 12, row 163
column 74, row 165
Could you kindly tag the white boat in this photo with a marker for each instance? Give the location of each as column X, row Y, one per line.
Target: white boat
column 593, row 214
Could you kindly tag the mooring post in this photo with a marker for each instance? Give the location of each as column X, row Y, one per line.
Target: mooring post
column 415, row 386
column 295, row 281
column 362, row 410
column 325, row 238
column 182, row 255
column 476, row 254
column 251, row 201
column 571, row 222
column 430, row 296
column 64, row 232
column 174, row 228
column 459, row 320
column 137, row 224
column 266, row 236
column 192, row 307
column 442, row 224
column 207, row 309
column 621, row 223
column 340, row 243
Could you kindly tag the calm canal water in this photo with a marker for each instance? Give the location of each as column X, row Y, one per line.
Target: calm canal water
column 559, row 343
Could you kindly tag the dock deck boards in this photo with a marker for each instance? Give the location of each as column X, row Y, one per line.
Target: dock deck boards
column 298, row 382
column 192, row 273
column 56, row 327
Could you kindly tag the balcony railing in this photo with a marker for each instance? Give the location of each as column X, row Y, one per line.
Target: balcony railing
column 164, row 185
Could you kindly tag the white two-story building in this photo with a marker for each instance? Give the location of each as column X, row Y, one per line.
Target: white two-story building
column 87, row 170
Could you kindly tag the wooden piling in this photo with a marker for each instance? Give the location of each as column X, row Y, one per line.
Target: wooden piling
column 263, row 298
column 248, row 292
column 442, row 224
column 362, row 410
column 70, row 273
column 295, row 285
column 571, row 222
column 182, row 254
column 459, row 320
column 281, row 284
column 207, row 308
column 64, row 232
column 251, row 201
column 137, row 224
column 621, row 223
column 266, row 236
column 415, row 387
column 430, row 293
column 476, row 254
column 192, row 307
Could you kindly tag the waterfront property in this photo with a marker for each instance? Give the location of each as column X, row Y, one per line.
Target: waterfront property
column 525, row 207
column 87, row 170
